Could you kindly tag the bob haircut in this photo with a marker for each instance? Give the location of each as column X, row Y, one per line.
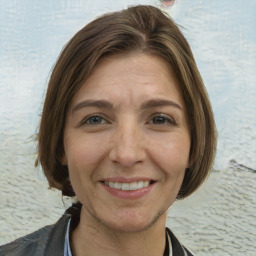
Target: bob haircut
column 142, row 29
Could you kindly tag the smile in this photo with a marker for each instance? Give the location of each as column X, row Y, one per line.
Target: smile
column 128, row 186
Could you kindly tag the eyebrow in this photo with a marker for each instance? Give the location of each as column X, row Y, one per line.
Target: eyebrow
column 93, row 103
column 107, row 105
column 160, row 103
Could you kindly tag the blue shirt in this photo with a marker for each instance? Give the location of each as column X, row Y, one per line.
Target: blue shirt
column 67, row 250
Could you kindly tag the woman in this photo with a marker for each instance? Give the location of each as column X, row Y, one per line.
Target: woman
column 127, row 128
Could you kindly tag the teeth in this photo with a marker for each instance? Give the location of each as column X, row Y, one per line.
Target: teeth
column 127, row 186
column 140, row 184
column 133, row 186
column 117, row 185
column 111, row 184
column 145, row 184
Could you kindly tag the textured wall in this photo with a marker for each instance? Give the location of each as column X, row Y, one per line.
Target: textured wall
column 217, row 220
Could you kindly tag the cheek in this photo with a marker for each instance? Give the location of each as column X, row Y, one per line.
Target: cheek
column 83, row 157
column 83, row 152
column 82, row 161
column 171, row 151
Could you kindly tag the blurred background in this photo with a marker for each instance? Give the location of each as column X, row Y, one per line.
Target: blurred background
column 220, row 218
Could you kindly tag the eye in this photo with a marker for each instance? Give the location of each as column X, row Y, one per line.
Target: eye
column 162, row 119
column 94, row 120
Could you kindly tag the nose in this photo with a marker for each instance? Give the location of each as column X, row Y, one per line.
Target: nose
column 128, row 146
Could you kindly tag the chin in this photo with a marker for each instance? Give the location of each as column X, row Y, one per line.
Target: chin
column 135, row 224
column 130, row 228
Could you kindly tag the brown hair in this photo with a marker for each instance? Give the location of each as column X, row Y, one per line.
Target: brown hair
column 137, row 29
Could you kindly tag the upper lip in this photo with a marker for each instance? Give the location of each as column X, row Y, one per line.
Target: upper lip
column 126, row 180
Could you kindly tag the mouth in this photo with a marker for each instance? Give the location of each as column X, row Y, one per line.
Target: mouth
column 128, row 186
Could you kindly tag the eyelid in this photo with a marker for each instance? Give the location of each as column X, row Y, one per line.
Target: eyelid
column 84, row 120
column 169, row 118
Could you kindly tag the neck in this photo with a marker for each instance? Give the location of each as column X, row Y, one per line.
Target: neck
column 92, row 237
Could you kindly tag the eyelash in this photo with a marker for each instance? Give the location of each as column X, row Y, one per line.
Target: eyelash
column 87, row 120
column 167, row 119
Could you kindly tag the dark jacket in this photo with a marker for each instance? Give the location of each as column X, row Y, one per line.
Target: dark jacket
column 49, row 241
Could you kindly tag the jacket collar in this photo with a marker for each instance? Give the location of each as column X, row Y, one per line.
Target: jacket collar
column 177, row 248
column 56, row 239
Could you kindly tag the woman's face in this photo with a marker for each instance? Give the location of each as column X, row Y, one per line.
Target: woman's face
column 127, row 142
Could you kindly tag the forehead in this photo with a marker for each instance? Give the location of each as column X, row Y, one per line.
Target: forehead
column 132, row 76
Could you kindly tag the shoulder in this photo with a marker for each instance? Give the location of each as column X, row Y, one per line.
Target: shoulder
column 40, row 242
column 177, row 247
column 28, row 244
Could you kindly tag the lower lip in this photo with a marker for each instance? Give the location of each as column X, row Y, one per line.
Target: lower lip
column 129, row 194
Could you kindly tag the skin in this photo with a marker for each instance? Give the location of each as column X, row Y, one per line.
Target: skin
column 136, row 135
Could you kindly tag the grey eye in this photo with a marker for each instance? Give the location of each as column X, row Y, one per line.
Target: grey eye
column 94, row 120
column 159, row 120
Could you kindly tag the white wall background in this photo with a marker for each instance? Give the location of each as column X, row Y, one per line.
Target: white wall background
column 220, row 218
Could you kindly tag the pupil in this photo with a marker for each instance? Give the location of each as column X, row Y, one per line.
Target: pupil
column 95, row 120
column 159, row 120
